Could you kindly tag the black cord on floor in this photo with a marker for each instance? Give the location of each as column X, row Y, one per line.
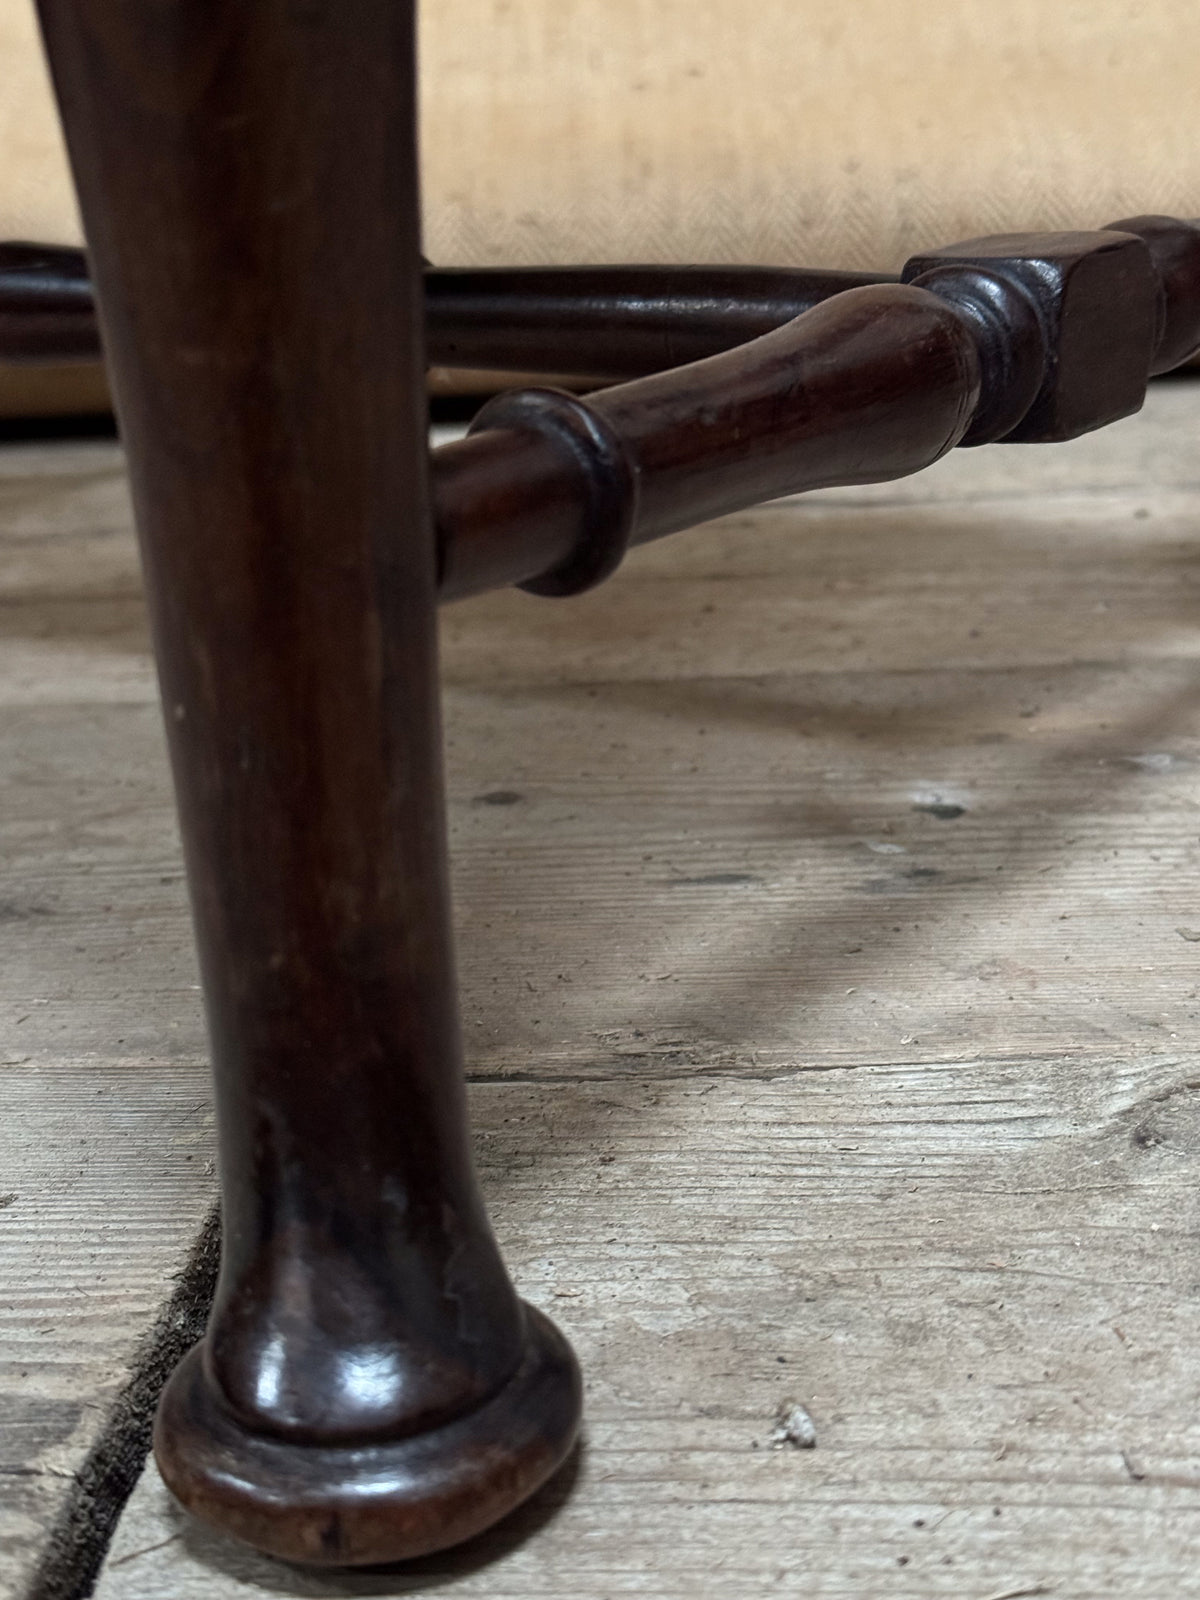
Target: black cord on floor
column 84, row 1528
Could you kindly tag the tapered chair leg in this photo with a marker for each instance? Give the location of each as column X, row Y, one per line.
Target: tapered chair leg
column 370, row 1387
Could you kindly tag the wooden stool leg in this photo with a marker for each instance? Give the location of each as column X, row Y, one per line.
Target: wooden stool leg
column 370, row 1387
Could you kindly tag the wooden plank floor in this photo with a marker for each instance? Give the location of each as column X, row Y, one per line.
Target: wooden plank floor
column 105, row 1131
column 829, row 926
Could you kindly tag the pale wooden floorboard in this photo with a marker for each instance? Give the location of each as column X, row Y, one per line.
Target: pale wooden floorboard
column 980, row 1281
column 105, row 1141
column 102, row 1189
column 770, row 1058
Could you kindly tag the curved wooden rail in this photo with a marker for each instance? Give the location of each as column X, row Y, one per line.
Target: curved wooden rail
column 610, row 322
column 613, row 322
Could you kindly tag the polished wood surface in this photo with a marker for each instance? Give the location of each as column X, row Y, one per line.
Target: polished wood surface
column 1024, row 338
column 876, row 383
column 47, row 305
column 1174, row 248
column 370, row 1386
column 1095, row 299
column 615, row 322
column 611, row 322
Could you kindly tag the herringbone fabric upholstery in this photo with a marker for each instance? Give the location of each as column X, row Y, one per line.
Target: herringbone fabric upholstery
column 777, row 131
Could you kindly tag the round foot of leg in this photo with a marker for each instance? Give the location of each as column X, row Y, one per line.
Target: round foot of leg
column 381, row 1501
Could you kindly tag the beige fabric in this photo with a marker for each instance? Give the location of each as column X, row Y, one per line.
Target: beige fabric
column 36, row 198
column 748, row 130
column 798, row 131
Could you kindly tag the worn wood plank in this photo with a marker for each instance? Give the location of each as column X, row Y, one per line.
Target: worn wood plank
column 105, row 1165
column 979, row 1278
column 716, row 896
column 692, row 875
column 829, row 868
column 105, row 1177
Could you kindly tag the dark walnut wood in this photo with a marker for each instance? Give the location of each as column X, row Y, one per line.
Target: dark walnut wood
column 47, row 310
column 613, row 322
column 609, row 322
column 1174, row 248
column 875, row 383
column 1020, row 338
column 369, row 1387
column 1096, row 298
